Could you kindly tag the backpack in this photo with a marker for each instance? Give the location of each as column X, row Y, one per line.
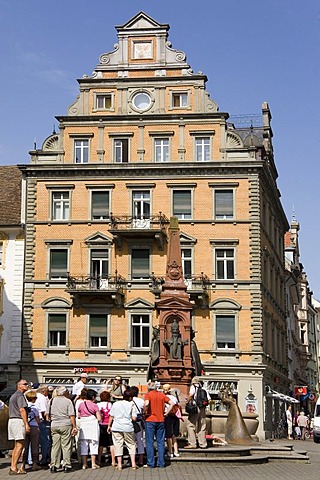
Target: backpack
column 201, row 397
column 191, row 407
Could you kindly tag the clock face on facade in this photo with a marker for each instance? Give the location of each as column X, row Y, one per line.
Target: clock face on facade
column 141, row 101
column 142, row 50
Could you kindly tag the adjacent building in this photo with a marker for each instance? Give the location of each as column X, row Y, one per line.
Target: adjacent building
column 144, row 141
column 11, row 274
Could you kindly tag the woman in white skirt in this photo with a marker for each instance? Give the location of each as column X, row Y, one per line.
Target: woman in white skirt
column 89, row 415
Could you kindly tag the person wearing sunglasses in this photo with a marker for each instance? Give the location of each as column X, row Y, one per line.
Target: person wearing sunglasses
column 18, row 425
column 117, row 389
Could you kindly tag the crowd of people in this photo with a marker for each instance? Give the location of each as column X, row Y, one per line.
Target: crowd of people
column 298, row 424
column 47, row 425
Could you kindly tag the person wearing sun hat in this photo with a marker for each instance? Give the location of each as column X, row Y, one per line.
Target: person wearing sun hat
column 196, row 423
column 171, row 423
column 81, row 383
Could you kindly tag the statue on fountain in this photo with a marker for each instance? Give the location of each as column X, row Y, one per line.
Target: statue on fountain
column 175, row 342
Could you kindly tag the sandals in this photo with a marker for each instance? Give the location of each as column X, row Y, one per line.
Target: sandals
column 118, row 468
column 84, row 467
column 135, row 467
column 94, row 467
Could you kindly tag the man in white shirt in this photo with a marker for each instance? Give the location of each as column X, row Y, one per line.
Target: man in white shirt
column 44, row 426
column 289, row 421
column 81, row 383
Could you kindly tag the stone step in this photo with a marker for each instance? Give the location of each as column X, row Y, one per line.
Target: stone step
column 289, row 458
column 219, row 450
column 252, row 459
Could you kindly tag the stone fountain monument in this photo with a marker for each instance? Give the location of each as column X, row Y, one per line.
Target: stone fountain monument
column 174, row 355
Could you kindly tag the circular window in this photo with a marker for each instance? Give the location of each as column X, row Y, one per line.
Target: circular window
column 141, row 101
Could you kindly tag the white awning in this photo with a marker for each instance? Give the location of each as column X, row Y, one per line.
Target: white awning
column 282, row 397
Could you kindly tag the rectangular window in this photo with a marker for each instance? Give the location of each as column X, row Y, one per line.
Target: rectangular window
column 223, row 204
column 179, row 100
column 99, row 263
column 58, row 263
column 141, row 203
column 186, row 257
column 225, row 331
column 181, row 200
column 104, row 102
column 140, row 263
column 225, row 264
column 98, row 329
column 161, row 149
column 140, row 331
column 57, row 329
column 60, row 205
column 100, row 204
column 203, row 149
column 121, row 150
column 81, row 151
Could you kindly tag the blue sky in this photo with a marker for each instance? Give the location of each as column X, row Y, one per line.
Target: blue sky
column 251, row 50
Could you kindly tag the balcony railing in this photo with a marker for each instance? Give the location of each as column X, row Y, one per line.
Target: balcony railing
column 105, row 283
column 128, row 226
column 128, row 222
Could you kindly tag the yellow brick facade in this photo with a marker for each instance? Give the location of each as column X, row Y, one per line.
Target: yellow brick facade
column 234, row 161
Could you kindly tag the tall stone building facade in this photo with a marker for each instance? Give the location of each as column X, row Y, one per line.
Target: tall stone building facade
column 143, row 142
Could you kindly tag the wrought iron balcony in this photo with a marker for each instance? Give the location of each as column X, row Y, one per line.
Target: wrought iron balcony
column 128, row 226
column 112, row 285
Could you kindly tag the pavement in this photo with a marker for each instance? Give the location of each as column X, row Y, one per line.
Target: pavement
column 279, row 469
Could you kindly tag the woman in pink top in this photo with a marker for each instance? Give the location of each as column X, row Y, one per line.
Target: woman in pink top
column 89, row 415
column 105, row 437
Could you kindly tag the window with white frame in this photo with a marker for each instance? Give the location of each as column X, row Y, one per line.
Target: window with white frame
column 161, row 149
column 140, row 331
column 58, row 268
column 225, row 331
column 141, row 203
column 140, row 263
column 223, row 204
column 186, row 258
column 121, row 150
column 180, row 99
column 99, row 263
column 60, row 205
column 104, row 101
column 57, row 329
column 81, row 150
column 224, row 263
column 100, row 204
column 203, row 149
column 182, row 204
column 98, row 330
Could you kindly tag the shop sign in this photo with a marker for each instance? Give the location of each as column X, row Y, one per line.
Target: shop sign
column 78, row 370
column 300, row 391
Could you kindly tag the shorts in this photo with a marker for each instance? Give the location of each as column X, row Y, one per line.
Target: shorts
column 105, row 437
column 172, row 426
column 16, row 429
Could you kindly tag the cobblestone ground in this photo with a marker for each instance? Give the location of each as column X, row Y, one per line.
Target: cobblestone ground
column 279, row 469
